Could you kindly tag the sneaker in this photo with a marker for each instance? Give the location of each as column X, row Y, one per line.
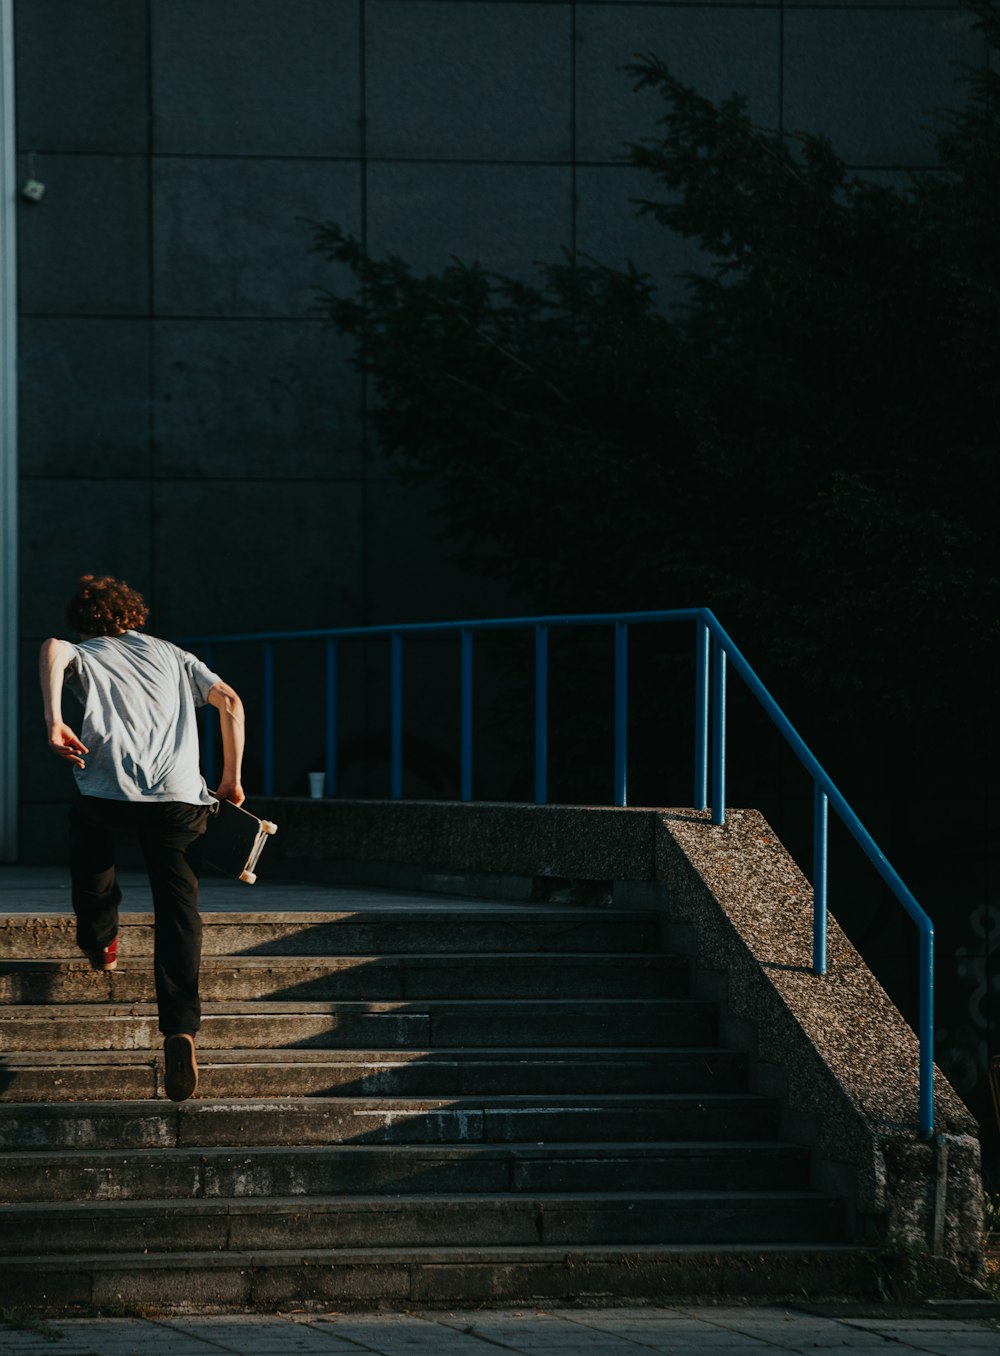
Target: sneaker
column 106, row 959
column 181, row 1067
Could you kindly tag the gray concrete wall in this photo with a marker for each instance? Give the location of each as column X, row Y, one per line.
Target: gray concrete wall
column 186, row 421
column 184, row 413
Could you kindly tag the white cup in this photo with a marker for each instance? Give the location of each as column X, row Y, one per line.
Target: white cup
column 317, row 785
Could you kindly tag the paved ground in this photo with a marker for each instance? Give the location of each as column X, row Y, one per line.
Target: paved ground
column 592, row 1332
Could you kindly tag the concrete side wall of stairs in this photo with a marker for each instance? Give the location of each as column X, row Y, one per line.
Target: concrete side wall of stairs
column 835, row 1049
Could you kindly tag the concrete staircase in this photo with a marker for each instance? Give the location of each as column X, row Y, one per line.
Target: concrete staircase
column 426, row 1103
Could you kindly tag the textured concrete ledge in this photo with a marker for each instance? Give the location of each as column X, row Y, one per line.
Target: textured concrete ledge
column 847, row 1060
column 835, row 1049
column 483, row 839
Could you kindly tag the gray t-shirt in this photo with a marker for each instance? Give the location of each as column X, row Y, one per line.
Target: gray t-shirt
column 139, row 697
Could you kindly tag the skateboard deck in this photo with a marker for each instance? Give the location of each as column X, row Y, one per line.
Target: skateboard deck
column 234, row 840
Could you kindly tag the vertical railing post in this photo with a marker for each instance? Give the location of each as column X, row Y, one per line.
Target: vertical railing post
column 331, row 717
column 541, row 715
column 718, row 733
column 621, row 713
column 396, row 715
column 701, row 652
column 465, row 717
column 926, row 1033
column 820, row 839
column 268, row 718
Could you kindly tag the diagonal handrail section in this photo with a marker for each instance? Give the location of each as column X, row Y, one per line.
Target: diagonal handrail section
column 715, row 653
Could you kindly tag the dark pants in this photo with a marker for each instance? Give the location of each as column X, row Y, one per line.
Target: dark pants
column 169, row 834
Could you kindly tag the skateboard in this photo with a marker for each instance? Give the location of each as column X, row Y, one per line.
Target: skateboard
column 234, row 840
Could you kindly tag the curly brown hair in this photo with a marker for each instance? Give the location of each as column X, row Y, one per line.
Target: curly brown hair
column 105, row 606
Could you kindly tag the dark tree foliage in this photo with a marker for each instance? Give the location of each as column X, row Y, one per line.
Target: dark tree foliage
column 808, row 445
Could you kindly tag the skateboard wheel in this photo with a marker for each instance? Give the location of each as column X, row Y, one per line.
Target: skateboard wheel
column 268, row 827
column 248, row 876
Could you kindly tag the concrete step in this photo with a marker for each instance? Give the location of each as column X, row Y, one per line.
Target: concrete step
column 311, row 978
column 211, row 1173
column 421, row 1221
column 45, row 1127
column 54, row 1075
column 248, row 1024
column 372, row 932
column 334, row 1120
column 203, row 1282
column 523, row 1100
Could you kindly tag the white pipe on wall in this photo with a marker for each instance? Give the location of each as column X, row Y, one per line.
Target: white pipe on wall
column 8, row 441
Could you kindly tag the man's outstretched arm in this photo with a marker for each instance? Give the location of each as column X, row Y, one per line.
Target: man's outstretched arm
column 231, row 719
column 53, row 661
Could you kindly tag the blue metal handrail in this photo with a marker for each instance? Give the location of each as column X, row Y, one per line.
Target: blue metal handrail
column 714, row 651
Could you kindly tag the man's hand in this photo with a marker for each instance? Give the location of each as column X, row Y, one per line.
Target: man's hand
column 231, row 791
column 65, row 743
